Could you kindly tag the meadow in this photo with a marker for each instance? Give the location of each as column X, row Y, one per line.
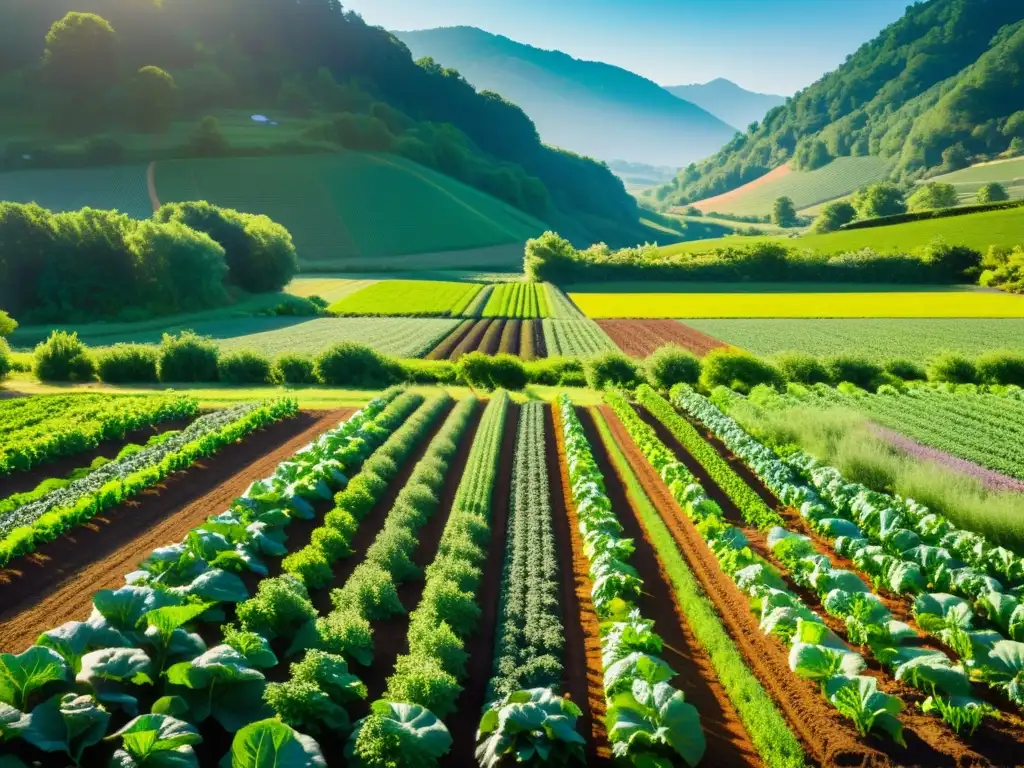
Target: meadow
column 353, row 210
column 878, row 338
column 919, row 304
column 840, row 177
column 978, row 231
column 1009, row 173
column 118, row 187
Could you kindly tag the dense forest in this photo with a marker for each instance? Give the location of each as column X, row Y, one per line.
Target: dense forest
column 146, row 61
column 940, row 88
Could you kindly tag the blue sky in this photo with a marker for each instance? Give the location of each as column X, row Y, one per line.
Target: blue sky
column 776, row 46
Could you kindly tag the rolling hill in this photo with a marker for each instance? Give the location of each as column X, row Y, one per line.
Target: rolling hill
column 727, row 101
column 938, row 89
column 629, row 117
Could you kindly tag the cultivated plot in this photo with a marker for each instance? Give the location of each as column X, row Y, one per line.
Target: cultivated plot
column 409, row 298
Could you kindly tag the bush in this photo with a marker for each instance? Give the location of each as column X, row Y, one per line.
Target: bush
column 348, row 364
column 802, row 368
column 244, row 367
column 907, row 370
column 953, row 368
column 612, row 368
column 293, row 369
column 127, row 363
column 993, row 192
column 857, row 370
column 671, row 365
column 6, row 364
column 187, row 357
column 487, row 372
column 737, row 370
column 429, row 372
column 1000, row 368
column 555, row 371
column 63, row 357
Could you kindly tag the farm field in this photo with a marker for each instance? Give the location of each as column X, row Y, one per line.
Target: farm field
column 120, row 187
column 342, row 212
column 976, row 230
column 409, row 298
column 331, row 289
column 641, row 338
column 840, row 177
column 914, row 304
column 521, row 300
column 916, row 339
column 492, row 336
column 1009, row 173
column 426, row 506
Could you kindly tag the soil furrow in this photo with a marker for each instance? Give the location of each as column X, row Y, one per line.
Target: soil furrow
column 462, row 725
column 584, row 681
column 471, row 340
column 57, row 582
column 451, row 341
column 727, row 740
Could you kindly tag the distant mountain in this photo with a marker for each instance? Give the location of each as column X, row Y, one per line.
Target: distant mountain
column 589, row 107
column 727, row 101
column 939, row 89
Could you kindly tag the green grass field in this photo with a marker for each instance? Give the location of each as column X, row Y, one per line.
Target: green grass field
column 840, row 177
column 358, row 211
column 976, row 230
column 423, row 298
column 1009, row 173
column 330, row 288
column 120, row 187
column 878, row 338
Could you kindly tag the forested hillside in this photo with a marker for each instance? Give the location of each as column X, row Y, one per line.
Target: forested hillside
column 631, row 117
column 936, row 90
column 144, row 64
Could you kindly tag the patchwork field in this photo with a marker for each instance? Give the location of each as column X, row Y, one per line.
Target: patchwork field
column 878, row 338
column 921, row 304
column 409, row 297
column 840, row 177
column 351, row 210
column 331, row 289
column 640, row 338
column 523, row 300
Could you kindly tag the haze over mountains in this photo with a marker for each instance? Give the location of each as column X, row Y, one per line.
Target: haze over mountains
column 727, row 101
column 589, row 107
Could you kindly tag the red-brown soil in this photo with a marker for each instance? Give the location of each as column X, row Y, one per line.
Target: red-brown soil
column 462, row 725
column 510, row 337
column 727, row 740
column 492, row 338
column 390, row 636
column 448, row 344
column 472, row 340
column 56, row 583
column 640, row 338
column 531, row 340
column 583, row 682
column 714, row 203
column 929, row 742
column 19, row 482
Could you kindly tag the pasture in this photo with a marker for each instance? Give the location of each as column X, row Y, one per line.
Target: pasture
column 840, row 177
column 118, row 187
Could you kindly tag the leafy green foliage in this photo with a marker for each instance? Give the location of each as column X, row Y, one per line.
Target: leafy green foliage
column 397, row 734
column 63, row 357
column 156, row 741
column 67, row 723
column 271, row 744
column 531, row 725
column 671, row 365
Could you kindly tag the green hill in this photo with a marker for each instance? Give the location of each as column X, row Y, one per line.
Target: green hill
column 639, row 120
column 121, row 187
column 936, row 90
column 360, row 211
column 1009, row 173
column 976, row 230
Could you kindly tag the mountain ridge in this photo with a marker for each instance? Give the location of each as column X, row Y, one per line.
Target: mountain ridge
column 728, row 101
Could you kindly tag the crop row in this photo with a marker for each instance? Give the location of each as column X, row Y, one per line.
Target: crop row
column 575, row 337
column 82, row 677
column 649, row 721
column 75, row 504
column 37, row 429
column 815, row 652
column 767, row 728
column 476, row 306
column 520, row 300
column 371, row 593
column 903, row 548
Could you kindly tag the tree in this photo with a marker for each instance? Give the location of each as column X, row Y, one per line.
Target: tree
column 154, row 99
column 7, row 324
column 784, row 213
column 993, row 192
column 933, row 196
column 956, row 157
column 208, row 141
column 81, row 57
column 883, row 199
column 833, row 216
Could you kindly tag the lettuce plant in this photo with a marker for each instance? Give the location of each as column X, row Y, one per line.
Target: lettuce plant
column 534, row 726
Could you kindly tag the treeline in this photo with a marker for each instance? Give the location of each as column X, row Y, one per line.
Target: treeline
column 95, row 265
column 552, row 258
column 935, row 91
column 143, row 63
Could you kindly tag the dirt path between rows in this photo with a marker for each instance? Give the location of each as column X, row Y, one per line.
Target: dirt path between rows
column 448, row 344
column 728, row 743
column 57, row 583
column 929, row 742
column 391, row 635
column 584, row 671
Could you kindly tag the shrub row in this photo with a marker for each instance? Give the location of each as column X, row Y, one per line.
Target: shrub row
column 942, row 213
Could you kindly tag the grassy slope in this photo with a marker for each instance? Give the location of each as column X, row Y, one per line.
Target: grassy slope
column 351, row 209
column 1009, row 173
column 840, row 177
column 977, row 230
column 121, row 187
